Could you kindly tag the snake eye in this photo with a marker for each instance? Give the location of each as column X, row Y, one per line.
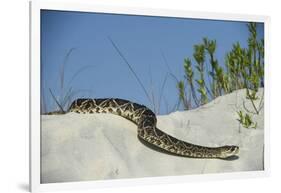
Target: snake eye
column 234, row 149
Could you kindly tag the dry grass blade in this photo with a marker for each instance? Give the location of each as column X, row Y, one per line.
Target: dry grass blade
column 161, row 92
column 152, row 92
column 168, row 67
column 131, row 68
column 79, row 71
column 57, row 102
column 62, row 70
column 69, row 97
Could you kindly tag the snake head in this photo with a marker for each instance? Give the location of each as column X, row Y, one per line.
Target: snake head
column 228, row 151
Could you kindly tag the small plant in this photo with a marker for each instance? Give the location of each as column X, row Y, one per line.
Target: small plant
column 182, row 94
column 252, row 96
column 246, row 120
column 199, row 56
column 189, row 77
column 210, row 46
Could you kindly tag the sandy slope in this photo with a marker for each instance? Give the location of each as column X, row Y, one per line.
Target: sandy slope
column 102, row 146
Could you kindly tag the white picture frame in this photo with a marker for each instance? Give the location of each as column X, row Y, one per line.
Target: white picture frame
column 36, row 6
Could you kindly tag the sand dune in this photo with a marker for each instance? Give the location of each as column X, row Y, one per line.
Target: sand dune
column 79, row 147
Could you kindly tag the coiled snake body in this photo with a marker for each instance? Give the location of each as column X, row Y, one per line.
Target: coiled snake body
column 147, row 131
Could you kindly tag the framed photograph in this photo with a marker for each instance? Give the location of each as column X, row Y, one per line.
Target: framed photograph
column 124, row 95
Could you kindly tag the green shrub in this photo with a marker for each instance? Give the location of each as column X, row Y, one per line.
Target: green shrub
column 243, row 69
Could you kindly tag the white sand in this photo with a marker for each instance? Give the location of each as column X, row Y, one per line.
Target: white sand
column 79, row 147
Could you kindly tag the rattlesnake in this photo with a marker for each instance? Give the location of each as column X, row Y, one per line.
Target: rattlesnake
column 147, row 131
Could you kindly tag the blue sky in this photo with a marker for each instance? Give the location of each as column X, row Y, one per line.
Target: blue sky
column 142, row 40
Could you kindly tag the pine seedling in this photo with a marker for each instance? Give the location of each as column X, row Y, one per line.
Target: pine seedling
column 189, row 77
column 261, row 62
column 246, row 120
column 199, row 56
column 210, row 46
column 182, row 95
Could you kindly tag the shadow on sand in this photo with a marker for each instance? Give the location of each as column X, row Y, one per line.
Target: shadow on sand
column 232, row 158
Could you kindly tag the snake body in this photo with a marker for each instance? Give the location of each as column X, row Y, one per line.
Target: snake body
column 147, row 131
